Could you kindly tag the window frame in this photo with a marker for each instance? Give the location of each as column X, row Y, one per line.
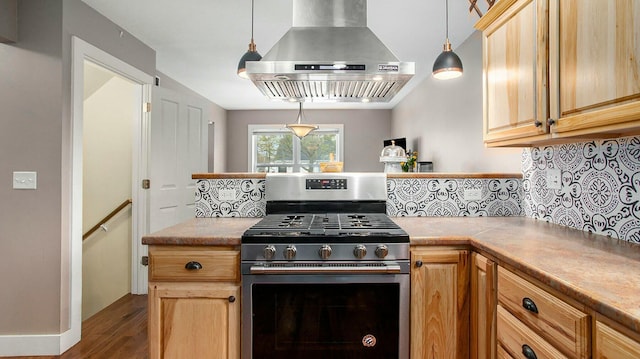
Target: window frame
column 280, row 129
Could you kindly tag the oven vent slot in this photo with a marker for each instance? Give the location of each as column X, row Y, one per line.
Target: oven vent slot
column 324, row 265
column 313, row 268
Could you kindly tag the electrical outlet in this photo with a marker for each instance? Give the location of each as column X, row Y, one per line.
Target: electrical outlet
column 554, row 178
column 472, row 194
column 25, row 180
column 227, row 194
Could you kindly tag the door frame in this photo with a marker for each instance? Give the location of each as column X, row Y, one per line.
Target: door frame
column 81, row 51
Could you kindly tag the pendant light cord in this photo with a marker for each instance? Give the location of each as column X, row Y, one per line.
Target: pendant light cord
column 252, row 20
column 446, row 19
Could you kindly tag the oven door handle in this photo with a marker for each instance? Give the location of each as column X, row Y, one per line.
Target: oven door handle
column 385, row 269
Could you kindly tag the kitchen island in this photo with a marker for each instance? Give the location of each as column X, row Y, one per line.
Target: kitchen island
column 594, row 271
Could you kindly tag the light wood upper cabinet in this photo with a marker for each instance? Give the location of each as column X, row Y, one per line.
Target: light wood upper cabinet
column 560, row 70
column 595, row 66
column 439, row 303
column 483, row 307
column 514, row 46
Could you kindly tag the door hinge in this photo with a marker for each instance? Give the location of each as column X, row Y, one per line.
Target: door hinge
column 146, row 107
column 146, row 183
column 144, row 260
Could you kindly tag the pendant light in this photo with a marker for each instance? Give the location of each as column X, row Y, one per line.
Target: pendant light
column 250, row 55
column 300, row 129
column 447, row 64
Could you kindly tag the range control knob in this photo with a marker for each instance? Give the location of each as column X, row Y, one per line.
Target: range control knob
column 289, row 252
column 269, row 252
column 382, row 251
column 360, row 251
column 325, row 251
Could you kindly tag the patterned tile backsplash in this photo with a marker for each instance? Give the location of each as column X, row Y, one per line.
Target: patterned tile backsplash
column 600, row 186
column 428, row 197
column 246, row 198
column 406, row 197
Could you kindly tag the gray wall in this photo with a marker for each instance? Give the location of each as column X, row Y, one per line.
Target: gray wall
column 35, row 98
column 442, row 120
column 364, row 131
column 30, row 140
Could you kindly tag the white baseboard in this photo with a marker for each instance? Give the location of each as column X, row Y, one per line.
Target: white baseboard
column 33, row 345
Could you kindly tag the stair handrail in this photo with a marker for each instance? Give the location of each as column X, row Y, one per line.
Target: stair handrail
column 107, row 218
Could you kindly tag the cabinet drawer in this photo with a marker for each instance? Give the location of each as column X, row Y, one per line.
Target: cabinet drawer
column 566, row 327
column 611, row 344
column 517, row 339
column 215, row 265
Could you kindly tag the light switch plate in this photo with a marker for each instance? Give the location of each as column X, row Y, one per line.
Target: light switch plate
column 472, row 194
column 25, row 180
column 227, row 194
column 554, row 178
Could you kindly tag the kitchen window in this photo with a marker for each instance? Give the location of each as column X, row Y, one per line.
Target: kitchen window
column 273, row 148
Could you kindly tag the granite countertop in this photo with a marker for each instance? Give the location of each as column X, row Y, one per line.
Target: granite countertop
column 600, row 272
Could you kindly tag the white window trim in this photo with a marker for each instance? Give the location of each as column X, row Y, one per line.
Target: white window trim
column 252, row 129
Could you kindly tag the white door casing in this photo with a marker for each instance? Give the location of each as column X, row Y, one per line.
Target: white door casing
column 72, row 199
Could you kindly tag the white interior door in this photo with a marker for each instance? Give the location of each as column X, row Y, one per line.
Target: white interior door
column 178, row 149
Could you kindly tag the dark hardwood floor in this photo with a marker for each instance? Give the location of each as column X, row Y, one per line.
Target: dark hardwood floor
column 117, row 332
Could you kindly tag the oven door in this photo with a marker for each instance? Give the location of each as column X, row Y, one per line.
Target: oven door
column 312, row 316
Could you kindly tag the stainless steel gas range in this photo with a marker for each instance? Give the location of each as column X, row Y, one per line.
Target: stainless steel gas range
column 325, row 274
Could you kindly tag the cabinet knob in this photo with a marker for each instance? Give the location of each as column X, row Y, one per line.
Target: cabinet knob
column 530, row 305
column 193, row 265
column 551, row 122
column 528, row 352
column 232, row 299
column 418, row 264
column 537, row 123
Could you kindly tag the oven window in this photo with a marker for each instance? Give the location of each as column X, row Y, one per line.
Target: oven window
column 328, row 321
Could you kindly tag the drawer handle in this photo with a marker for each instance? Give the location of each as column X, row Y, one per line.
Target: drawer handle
column 529, row 305
column 193, row 265
column 528, row 352
column 418, row 264
column 232, row 299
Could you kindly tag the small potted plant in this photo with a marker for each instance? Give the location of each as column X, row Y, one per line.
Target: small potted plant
column 409, row 166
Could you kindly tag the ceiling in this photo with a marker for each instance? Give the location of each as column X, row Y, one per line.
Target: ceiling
column 199, row 42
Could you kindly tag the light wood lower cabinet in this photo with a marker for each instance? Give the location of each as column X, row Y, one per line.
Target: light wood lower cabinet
column 613, row 344
column 439, row 303
column 528, row 313
column 483, row 307
column 521, row 341
column 194, row 302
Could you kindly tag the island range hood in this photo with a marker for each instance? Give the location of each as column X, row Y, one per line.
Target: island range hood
column 330, row 55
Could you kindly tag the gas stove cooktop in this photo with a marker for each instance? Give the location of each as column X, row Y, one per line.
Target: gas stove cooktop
column 325, row 227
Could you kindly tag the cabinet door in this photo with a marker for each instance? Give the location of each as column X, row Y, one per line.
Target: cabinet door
column 515, row 71
column 596, row 72
column 483, row 307
column 611, row 344
column 194, row 320
column 439, row 304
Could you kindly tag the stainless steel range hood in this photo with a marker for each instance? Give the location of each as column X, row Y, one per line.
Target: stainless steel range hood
column 330, row 55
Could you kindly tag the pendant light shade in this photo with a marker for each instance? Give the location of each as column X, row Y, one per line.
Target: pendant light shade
column 300, row 129
column 251, row 54
column 447, row 64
